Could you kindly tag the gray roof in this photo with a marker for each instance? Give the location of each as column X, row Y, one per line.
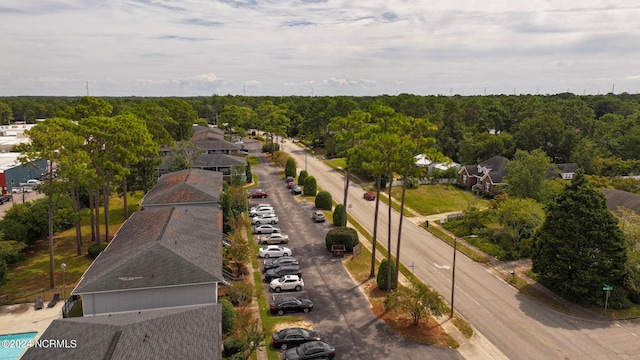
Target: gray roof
column 567, row 167
column 218, row 160
column 180, row 333
column 204, row 133
column 619, row 198
column 215, row 145
column 164, row 246
column 185, row 186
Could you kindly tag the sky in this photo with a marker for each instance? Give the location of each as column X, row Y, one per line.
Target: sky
column 318, row 47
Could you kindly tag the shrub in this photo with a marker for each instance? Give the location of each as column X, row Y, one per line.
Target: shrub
column 240, row 293
column 337, row 215
column 310, row 186
column 290, row 168
column 270, row 148
column 232, row 346
column 324, row 200
column 280, row 158
column 229, row 316
column 341, row 235
column 302, row 177
column 381, row 279
column 413, row 183
column 95, row 249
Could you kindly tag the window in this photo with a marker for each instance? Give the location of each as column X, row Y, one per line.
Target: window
column 487, row 186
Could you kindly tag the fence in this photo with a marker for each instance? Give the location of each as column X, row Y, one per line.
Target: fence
column 29, row 296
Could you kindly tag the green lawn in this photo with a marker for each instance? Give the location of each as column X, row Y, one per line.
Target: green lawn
column 30, row 277
column 437, row 199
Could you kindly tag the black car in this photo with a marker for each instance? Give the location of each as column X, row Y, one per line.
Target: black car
column 294, row 336
column 285, row 260
column 296, row 190
column 281, row 271
column 287, row 304
column 311, row 350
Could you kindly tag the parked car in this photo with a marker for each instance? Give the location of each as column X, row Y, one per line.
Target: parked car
column 5, row 198
column 273, row 251
column 281, row 261
column 258, row 205
column 310, row 350
column 293, row 336
column 274, row 238
column 318, row 216
column 257, row 193
column 265, row 229
column 287, row 282
column 282, row 271
column 244, row 152
column 286, row 304
column 290, row 184
column 270, row 218
column 296, row 190
column 261, row 211
column 369, row 196
column 21, row 189
column 288, row 179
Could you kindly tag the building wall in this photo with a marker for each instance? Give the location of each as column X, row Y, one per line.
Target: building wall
column 144, row 299
column 21, row 173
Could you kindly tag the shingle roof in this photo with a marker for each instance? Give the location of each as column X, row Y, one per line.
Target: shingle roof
column 206, row 133
column 218, row 160
column 215, row 145
column 161, row 246
column 617, row 198
column 180, row 333
column 186, row 186
column 567, row 167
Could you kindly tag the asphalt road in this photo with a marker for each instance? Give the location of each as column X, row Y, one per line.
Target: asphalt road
column 341, row 310
column 517, row 326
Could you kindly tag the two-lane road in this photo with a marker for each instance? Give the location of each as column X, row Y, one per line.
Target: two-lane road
column 519, row 327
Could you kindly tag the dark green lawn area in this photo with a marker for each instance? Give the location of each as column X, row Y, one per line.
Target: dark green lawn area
column 30, row 277
column 437, row 199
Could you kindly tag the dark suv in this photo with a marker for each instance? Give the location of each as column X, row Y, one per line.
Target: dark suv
column 281, row 271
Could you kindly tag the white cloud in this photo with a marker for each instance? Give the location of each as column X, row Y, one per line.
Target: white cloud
column 200, row 47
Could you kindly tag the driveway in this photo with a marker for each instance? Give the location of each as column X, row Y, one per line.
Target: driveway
column 341, row 310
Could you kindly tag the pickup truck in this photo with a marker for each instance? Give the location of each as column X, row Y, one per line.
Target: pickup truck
column 275, row 238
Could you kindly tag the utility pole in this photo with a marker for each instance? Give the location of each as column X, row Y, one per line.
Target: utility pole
column 87, row 82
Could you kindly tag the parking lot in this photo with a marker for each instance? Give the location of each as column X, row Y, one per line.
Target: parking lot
column 341, row 312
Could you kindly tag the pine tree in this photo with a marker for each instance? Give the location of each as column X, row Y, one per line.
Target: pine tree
column 580, row 247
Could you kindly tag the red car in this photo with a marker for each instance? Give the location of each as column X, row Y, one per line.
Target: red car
column 290, row 184
column 369, row 196
column 257, row 193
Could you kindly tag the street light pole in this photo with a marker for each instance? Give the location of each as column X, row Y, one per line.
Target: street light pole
column 453, row 273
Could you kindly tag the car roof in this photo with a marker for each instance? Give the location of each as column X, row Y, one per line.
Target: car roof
column 271, row 247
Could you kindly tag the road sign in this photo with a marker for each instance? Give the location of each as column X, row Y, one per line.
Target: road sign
column 607, row 287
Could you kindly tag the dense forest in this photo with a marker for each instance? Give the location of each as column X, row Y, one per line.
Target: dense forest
column 599, row 132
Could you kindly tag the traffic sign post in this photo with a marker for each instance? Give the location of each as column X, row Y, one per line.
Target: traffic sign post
column 608, row 289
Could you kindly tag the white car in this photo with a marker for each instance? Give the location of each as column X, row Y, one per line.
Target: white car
column 262, row 211
column 270, row 218
column 287, row 282
column 265, row 229
column 272, row 251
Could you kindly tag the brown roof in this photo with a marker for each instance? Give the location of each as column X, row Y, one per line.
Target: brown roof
column 619, row 198
column 185, row 186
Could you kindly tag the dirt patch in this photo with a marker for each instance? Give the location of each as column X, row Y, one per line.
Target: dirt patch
column 427, row 331
column 302, row 324
column 18, row 308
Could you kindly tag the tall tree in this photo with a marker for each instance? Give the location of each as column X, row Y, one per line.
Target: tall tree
column 580, row 246
column 183, row 117
column 527, row 174
column 348, row 132
column 49, row 141
column 519, row 217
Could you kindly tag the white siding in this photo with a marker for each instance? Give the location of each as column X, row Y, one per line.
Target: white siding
column 144, row 299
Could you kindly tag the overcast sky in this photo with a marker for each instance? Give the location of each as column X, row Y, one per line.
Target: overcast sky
column 318, row 47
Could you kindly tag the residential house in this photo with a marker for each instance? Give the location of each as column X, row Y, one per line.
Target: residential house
column 207, row 133
column 423, row 161
column 163, row 257
column 228, row 165
column 485, row 177
column 192, row 187
column 567, row 171
column 192, row 332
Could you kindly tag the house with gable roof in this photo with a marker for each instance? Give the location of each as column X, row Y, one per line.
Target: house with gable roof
column 163, row 257
column 193, row 332
column 193, row 187
column 485, row 177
